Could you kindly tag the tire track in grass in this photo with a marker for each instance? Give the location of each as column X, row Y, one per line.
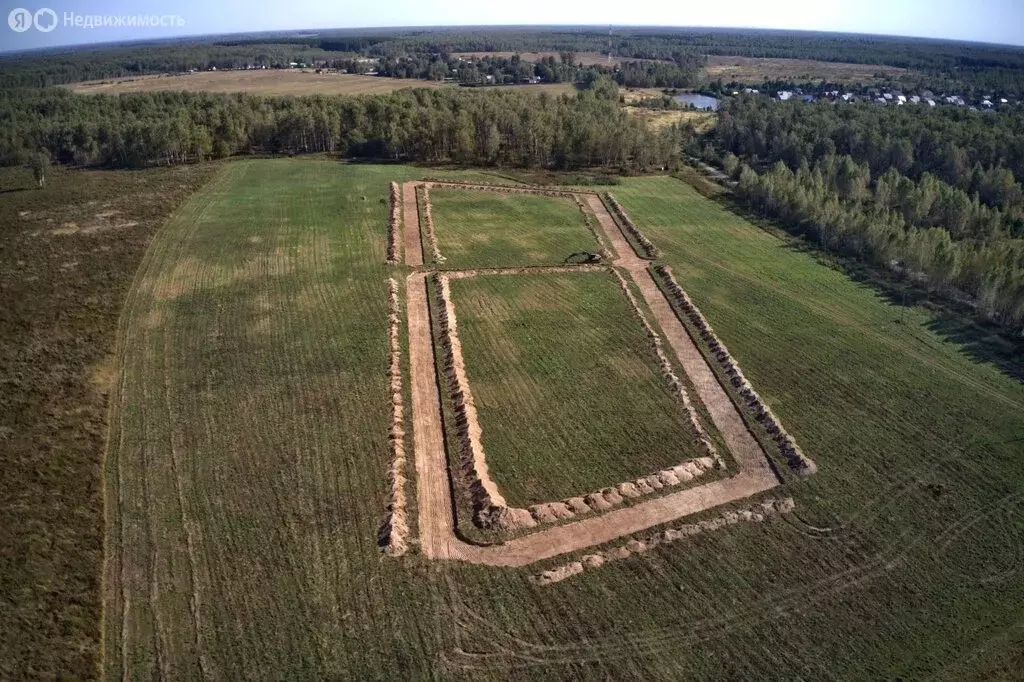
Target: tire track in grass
column 177, row 349
column 772, row 607
column 259, row 442
column 162, row 250
column 188, row 525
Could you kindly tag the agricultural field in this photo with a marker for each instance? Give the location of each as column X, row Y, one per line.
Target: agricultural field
column 542, row 353
column 248, row 451
column 757, row 70
column 584, row 58
column 246, row 476
column 278, row 82
column 491, row 229
column 257, row 82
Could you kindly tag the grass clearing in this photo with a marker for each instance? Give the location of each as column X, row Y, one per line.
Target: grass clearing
column 567, row 387
column 757, row 70
column 279, row 82
column 258, row 82
column 249, row 452
column 583, row 58
column 232, row 459
column 702, row 121
column 493, row 229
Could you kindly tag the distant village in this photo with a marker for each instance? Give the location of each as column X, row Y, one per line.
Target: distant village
column 885, row 97
column 880, row 96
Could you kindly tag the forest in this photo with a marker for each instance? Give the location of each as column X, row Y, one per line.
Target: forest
column 933, row 195
column 483, row 127
column 937, row 64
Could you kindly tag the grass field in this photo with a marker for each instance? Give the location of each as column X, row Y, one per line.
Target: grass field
column 584, row 58
column 567, row 386
column 276, row 82
column 491, row 229
column 68, row 256
column 897, row 418
column 756, row 70
column 259, row 82
column 246, row 475
column 702, row 121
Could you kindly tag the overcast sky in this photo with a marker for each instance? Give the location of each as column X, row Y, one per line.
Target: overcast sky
column 996, row 21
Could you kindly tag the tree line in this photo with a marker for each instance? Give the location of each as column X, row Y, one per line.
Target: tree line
column 934, row 199
column 941, row 64
column 440, row 125
column 980, row 154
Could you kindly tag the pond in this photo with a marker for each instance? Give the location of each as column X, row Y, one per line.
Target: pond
column 698, row 101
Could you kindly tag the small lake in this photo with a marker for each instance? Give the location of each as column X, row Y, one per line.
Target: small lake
column 698, row 101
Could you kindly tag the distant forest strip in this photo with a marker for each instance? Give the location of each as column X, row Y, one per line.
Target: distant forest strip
column 424, row 53
column 932, row 195
column 507, row 127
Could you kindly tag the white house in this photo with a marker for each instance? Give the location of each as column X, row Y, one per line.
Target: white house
column 930, row 102
column 914, row 99
column 784, row 95
column 902, row 99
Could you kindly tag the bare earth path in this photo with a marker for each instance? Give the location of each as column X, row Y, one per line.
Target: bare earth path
column 411, row 225
column 436, row 517
column 744, row 448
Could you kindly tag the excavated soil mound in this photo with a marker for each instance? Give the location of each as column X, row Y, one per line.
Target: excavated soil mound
column 395, row 530
column 795, row 457
column 755, row 514
column 394, row 220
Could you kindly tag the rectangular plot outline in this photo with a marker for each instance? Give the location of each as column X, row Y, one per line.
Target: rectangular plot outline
column 489, row 505
column 439, row 538
column 431, row 231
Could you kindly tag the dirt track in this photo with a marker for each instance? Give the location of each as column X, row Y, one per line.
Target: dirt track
column 436, row 517
column 433, row 497
column 411, row 225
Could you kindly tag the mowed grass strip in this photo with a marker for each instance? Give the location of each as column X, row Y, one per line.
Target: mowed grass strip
column 567, row 386
column 247, row 471
column 491, row 229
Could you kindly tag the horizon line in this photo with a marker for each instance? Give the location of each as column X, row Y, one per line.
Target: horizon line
column 312, row 32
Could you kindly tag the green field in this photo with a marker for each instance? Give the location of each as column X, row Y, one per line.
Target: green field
column 918, row 446
column 567, row 386
column 490, row 229
column 246, row 477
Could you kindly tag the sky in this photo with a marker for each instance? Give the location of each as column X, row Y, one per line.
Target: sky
column 994, row 21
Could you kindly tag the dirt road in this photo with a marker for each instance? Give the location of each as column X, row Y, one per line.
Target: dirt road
column 411, row 225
